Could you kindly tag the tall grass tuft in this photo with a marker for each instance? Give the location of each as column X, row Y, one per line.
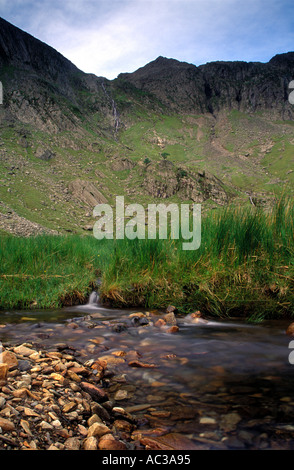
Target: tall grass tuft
column 244, row 266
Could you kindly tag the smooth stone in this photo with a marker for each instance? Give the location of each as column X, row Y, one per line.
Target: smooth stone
column 229, row 422
column 98, row 430
column 6, row 425
column 23, row 350
column 10, row 359
column 94, row 419
column 121, row 395
column 3, row 372
column 24, row 365
column 108, row 442
column 97, row 393
column 72, row 443
column 90, row 443
column 172, row 441
column 207, row 420
column 2, row 402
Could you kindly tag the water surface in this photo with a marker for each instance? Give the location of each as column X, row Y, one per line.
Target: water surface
column 223, row 384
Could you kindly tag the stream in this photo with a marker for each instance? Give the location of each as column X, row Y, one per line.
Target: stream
column 223, row 384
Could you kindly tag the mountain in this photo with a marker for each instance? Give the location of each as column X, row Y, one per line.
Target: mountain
column 220, row 133
column 248, row 87
column 216, row 86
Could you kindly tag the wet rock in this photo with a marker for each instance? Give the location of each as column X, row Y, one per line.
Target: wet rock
column 121, row 395
column 26, row 427
column 108, row 442
column 229, row 421
column 101, row 412
column 160, row 323
column 90, row 443
column 172, row 441
column 119, row 412
column 73, row 325
column 6, row 425
column 170, row 318
column 246, row 436
column 196, row 318
column 234, row 443
column 118, row 327
column 123, row 426
column 97, row 393
column 173, row 329
column 137, row 315
column 69, row 407
column 10, row 359
column 2, row 402
column 46, row 409
column 171, row 308
column 98, row 430
column 73, row 443
column 20, row 393
column 94, row 419
column 139, row 321
column 73, row 376
column 110, row 360
column 141, row 365
column 24, row 350
column 3, row 372
column 207, row 420
column 290, row 330
column 24, row 365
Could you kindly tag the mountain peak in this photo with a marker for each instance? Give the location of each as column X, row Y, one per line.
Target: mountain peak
column 285, row 59
column 24, row 51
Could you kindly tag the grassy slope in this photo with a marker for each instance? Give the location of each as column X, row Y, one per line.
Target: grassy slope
column 247, row 152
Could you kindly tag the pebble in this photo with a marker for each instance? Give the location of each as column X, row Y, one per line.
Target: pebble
column 41, row 402
column 207, row 420
column 98, row 430
column 90, row 443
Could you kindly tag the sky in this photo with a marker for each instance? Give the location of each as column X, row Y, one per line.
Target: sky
column 107, row 37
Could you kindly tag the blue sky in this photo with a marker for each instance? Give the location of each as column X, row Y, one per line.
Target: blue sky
column 107, row 37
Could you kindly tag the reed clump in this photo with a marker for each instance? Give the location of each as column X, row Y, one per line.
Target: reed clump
column 244, row 267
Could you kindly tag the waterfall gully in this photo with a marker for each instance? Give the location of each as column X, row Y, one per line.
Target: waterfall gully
column 115, row 112
column 93, row 299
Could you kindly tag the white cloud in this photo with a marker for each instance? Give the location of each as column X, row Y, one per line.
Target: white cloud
column 107, row 37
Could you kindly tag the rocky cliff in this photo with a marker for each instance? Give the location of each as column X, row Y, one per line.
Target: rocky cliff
column 216, row 86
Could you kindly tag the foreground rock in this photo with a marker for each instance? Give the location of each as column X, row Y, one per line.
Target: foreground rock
column 58, row 404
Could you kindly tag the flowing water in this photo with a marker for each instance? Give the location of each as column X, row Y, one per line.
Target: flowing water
column 223, row 384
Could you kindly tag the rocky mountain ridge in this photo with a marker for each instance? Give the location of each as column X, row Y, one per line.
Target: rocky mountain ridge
column 217, row 85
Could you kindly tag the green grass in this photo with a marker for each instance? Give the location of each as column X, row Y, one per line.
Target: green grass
column 244, row 267
column 46, row 271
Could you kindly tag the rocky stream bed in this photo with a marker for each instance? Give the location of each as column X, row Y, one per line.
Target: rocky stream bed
column 81, row 384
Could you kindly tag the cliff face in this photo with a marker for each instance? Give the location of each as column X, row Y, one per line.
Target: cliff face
column 218, row 85
column 28, row 53
column 43, row 88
